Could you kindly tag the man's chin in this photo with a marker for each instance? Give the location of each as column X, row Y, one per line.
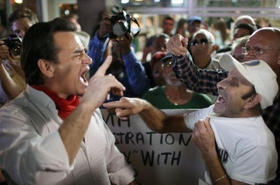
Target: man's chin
column 217, row 110
column 80, row 94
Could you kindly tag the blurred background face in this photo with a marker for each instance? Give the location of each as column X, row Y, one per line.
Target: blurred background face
column 160, row 44
column 168, row 26
column 20, row 26
column 238, row 53
column 182, row 30
column 201, row 46
column 240, row 32
column 194, row 27
column 157, row 73
column 169, row 75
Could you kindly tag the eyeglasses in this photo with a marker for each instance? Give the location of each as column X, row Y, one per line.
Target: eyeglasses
column 202, row 41
column 257, row 51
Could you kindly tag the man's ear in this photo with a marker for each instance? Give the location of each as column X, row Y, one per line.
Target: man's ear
column 46, row 68
column 252, row 101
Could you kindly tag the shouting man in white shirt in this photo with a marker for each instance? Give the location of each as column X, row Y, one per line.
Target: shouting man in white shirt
column 53, row 132
column 235, row 143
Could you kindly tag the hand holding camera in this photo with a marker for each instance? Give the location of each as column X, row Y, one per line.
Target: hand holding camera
column 124, row 43
column 105, row 27
column 118, row 25
column 10, row 48
column 4, row 51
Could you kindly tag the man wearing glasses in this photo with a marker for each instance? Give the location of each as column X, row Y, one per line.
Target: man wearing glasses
column 263, row 44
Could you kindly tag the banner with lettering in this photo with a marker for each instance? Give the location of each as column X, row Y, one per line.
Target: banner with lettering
column 159, row 159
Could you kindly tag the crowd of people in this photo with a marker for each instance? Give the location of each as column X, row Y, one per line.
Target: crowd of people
column 51, row 127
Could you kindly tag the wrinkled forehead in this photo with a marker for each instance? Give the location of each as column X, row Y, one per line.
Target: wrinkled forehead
column 265, row 37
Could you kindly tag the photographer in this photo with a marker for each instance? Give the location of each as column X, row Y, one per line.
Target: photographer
column 11, row 75
column 126, row 68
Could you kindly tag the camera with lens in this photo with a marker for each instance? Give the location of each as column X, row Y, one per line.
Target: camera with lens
column 14, row 43
column 121, row 23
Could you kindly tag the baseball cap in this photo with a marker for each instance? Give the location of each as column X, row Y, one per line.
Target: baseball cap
column 194, row 19
column 258, row 73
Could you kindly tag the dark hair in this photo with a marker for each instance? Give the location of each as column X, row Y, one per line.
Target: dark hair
column 257, row 110
column 168, row 18
column 181, row 23
column 222, row 27
column 38, row 43
column 23, row 13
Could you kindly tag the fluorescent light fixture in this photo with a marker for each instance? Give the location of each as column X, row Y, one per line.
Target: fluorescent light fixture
column 157, row 1
column 18, row 1
column 177, row 2
column 125, row 1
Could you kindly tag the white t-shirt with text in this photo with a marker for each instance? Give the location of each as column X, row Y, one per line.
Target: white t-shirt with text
column 246, row 146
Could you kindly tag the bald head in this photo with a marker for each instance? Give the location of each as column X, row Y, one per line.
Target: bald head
column 264, row 44
column 272, row 35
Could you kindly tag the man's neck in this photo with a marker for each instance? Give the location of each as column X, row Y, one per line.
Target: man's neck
column 202, row 62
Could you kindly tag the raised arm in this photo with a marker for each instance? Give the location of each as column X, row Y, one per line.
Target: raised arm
column 136, row 75
column 153, row 117
column 11, row 75
column 196, row 79
column 98, row 45
column 74, row 127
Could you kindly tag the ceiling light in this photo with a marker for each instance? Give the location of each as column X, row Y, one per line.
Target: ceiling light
column 125, row 1
column 176, row 2
column 18, row 1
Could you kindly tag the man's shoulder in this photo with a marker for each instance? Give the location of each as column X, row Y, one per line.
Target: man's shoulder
column 14, row 105
column 20, row 108
column 249, row 133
